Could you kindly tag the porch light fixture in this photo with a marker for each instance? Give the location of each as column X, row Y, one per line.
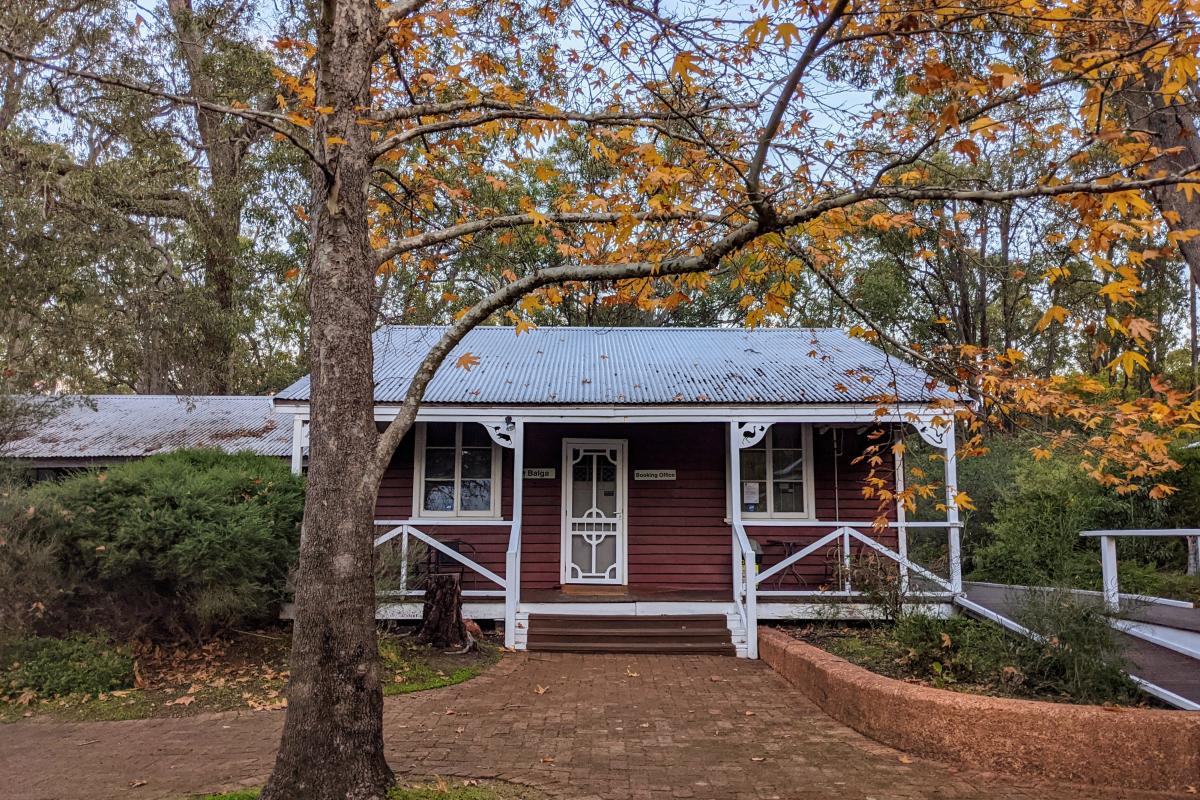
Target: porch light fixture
column 509, row 425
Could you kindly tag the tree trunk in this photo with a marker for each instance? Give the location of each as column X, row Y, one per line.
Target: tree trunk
column 1172, row 128
column 332, row 743
column 441, row 616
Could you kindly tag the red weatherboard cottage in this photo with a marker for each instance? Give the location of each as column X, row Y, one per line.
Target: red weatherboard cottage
column 581, row 480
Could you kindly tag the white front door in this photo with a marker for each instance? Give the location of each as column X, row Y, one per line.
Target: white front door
column 594, row 526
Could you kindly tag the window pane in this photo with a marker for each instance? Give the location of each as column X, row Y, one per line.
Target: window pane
column 476, row 495
column 787, row 465
column 474, row 435
column 786, row 436
column 789, row 497
column 439, row 463
column 439, row 434
column 439, row 496
column 477, row 462
column 754, row 496
column 754, row 464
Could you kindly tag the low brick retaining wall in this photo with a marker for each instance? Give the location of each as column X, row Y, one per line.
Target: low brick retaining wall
column 1131, row 748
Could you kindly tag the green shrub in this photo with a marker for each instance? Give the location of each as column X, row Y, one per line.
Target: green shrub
column 74, row 664
column 179, row 544
column 1034, row 536
column 1080, row 655
column 954, row 650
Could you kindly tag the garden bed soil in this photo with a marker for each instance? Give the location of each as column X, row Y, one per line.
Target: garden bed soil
column 872, row 647
column 245, row 671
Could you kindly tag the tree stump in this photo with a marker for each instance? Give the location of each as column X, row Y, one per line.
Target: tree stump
column 441, row 615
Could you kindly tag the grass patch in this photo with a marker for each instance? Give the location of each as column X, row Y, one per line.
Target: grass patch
column 438, row 789
column 246, row 671
column 415, row 668
column 76, row 664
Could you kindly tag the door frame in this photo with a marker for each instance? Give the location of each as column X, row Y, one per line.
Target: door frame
column 622, row 489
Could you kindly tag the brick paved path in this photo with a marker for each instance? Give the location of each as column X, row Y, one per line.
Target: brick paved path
column 620, row 727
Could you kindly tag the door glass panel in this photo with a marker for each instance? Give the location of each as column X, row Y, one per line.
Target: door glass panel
column 606, row 489
column 606, row 557
column 581, row 486
column 581, row 557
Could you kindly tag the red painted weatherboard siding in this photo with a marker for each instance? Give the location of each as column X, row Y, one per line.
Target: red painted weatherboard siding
column 678, row 537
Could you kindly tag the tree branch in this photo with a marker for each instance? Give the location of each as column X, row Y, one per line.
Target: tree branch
column 443, row 235
column 268, row 119
column 754, row 177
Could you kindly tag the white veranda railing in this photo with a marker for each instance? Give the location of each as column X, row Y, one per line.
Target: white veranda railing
column 406, row 532
column 747, row 578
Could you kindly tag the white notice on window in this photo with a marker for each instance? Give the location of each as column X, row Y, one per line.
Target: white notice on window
column 749, row 493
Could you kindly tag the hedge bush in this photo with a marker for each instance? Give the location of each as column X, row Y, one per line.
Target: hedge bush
column 179, row 544
column 1030, row 513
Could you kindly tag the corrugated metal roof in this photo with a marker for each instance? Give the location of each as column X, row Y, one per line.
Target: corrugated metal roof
column 643, row 366
column 108, row 426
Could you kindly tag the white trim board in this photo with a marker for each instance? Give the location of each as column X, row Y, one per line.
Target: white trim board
column 782, row 412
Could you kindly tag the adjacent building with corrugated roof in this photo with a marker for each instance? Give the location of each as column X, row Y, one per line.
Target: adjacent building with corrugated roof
column 101, row 429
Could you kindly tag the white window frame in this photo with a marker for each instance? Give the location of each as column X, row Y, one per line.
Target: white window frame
column 418, row 505
column 810, row 493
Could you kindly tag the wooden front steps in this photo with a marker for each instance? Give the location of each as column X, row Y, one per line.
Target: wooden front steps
column 571, row 633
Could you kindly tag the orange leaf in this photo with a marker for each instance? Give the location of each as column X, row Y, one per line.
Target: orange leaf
column 467, row 361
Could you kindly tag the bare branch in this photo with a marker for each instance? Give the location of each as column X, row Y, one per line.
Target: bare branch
column 753, row 178
column 268, row 119
column 496, row 111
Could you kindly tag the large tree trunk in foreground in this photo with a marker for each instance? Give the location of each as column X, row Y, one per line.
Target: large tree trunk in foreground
column 441, row 616
column 332, row 744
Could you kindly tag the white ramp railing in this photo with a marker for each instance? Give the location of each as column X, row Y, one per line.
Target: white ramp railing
column 1108, row 556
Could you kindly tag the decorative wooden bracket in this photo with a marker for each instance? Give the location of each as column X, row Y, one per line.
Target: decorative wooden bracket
column 500, row 433
column 751, row 433
column 934, row 433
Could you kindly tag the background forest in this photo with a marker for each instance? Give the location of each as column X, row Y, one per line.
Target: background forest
column 149, row 247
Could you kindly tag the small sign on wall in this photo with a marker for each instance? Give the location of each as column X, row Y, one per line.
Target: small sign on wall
column 539, row 473
column 654, row 474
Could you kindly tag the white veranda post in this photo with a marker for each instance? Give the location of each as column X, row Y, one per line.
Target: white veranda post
column 745, row 566
column 299, row 442
column 952, row 521
column 512, row 557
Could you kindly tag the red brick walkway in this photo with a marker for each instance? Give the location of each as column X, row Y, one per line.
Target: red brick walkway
column 620, row 727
